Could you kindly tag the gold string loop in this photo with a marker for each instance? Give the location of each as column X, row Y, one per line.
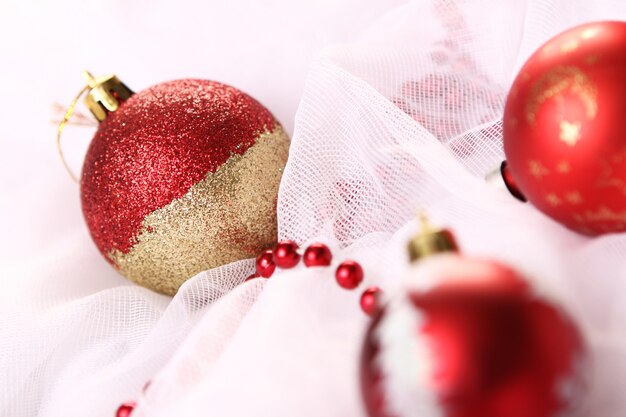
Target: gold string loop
column 66, row 118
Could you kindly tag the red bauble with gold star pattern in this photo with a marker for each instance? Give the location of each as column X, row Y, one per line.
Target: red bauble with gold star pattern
column 470, row 338
column 565, row 131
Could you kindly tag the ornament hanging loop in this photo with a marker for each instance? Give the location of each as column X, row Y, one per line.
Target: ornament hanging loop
column 66, row 118
column 104, row 95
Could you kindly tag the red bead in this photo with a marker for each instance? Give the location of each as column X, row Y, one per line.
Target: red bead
column 265, row 265
column 251, row 277
column 370, row 300
column 349, row 275
column 126, row 409
column 286, row 254
column 317, row 254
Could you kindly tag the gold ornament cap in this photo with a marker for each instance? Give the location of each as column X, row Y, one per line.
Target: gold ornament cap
column 430, row 241
column 105, row 94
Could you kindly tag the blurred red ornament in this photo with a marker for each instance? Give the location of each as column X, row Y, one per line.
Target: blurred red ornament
column 349, row 275
column 317, row 254
column 126, row 409
column 286, row 254
column 470, row 339
column 179, row 178
column 265, row 265
column 370, row 300
column 564, row 129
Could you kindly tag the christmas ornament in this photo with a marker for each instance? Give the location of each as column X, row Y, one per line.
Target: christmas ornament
column 180, row 178
column 469, row 338
column 563, row 129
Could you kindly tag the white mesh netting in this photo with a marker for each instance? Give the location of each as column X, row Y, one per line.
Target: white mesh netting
column 405, row 117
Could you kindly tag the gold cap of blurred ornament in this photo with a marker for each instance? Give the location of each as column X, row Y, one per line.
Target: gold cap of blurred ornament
column 430, row 241
column 105, row 94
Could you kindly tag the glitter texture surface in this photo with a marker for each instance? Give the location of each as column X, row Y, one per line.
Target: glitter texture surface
column 230, row 215
column 166, row 146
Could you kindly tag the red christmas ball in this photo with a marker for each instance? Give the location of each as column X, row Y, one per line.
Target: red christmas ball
column 125, row 410
column 317, row 254
column 470, row 339
column 564, row 132
column 181, row 178
column 349, row 275
column 265, row 265
column 286, row 254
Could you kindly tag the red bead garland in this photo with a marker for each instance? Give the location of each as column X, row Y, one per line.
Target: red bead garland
column 317, row 254
column 349, row 275
column 286, row 254
column 126, row 409
column 370, row 300
column 265, row 265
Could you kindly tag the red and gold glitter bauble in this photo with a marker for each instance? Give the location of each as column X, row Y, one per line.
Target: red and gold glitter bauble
column 468, row 338
column 183, row 177
column 565, row 132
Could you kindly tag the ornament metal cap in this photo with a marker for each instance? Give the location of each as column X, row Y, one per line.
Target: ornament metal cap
column 105, row 94
column 502, row 178
column 430, row 241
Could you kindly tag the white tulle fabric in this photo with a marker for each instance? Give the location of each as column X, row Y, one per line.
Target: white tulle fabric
column 404, row 117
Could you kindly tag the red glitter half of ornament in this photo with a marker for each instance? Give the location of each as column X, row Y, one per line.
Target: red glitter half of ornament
column 156, row 146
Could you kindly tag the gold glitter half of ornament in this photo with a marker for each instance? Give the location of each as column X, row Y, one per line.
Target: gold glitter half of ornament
column 570, row 132
column 228, row 216
column 552, row 84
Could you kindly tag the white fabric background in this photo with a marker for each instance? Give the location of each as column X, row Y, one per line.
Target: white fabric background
column 76, row 339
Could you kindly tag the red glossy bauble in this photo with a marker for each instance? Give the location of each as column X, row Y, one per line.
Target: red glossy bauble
column 349, row 275
column 286, row 254
column 565, row 132
column 370, row 300
column 125, row 410
column 265, row 265
column 317, row 254
column 469, row 338
column 181, row 178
